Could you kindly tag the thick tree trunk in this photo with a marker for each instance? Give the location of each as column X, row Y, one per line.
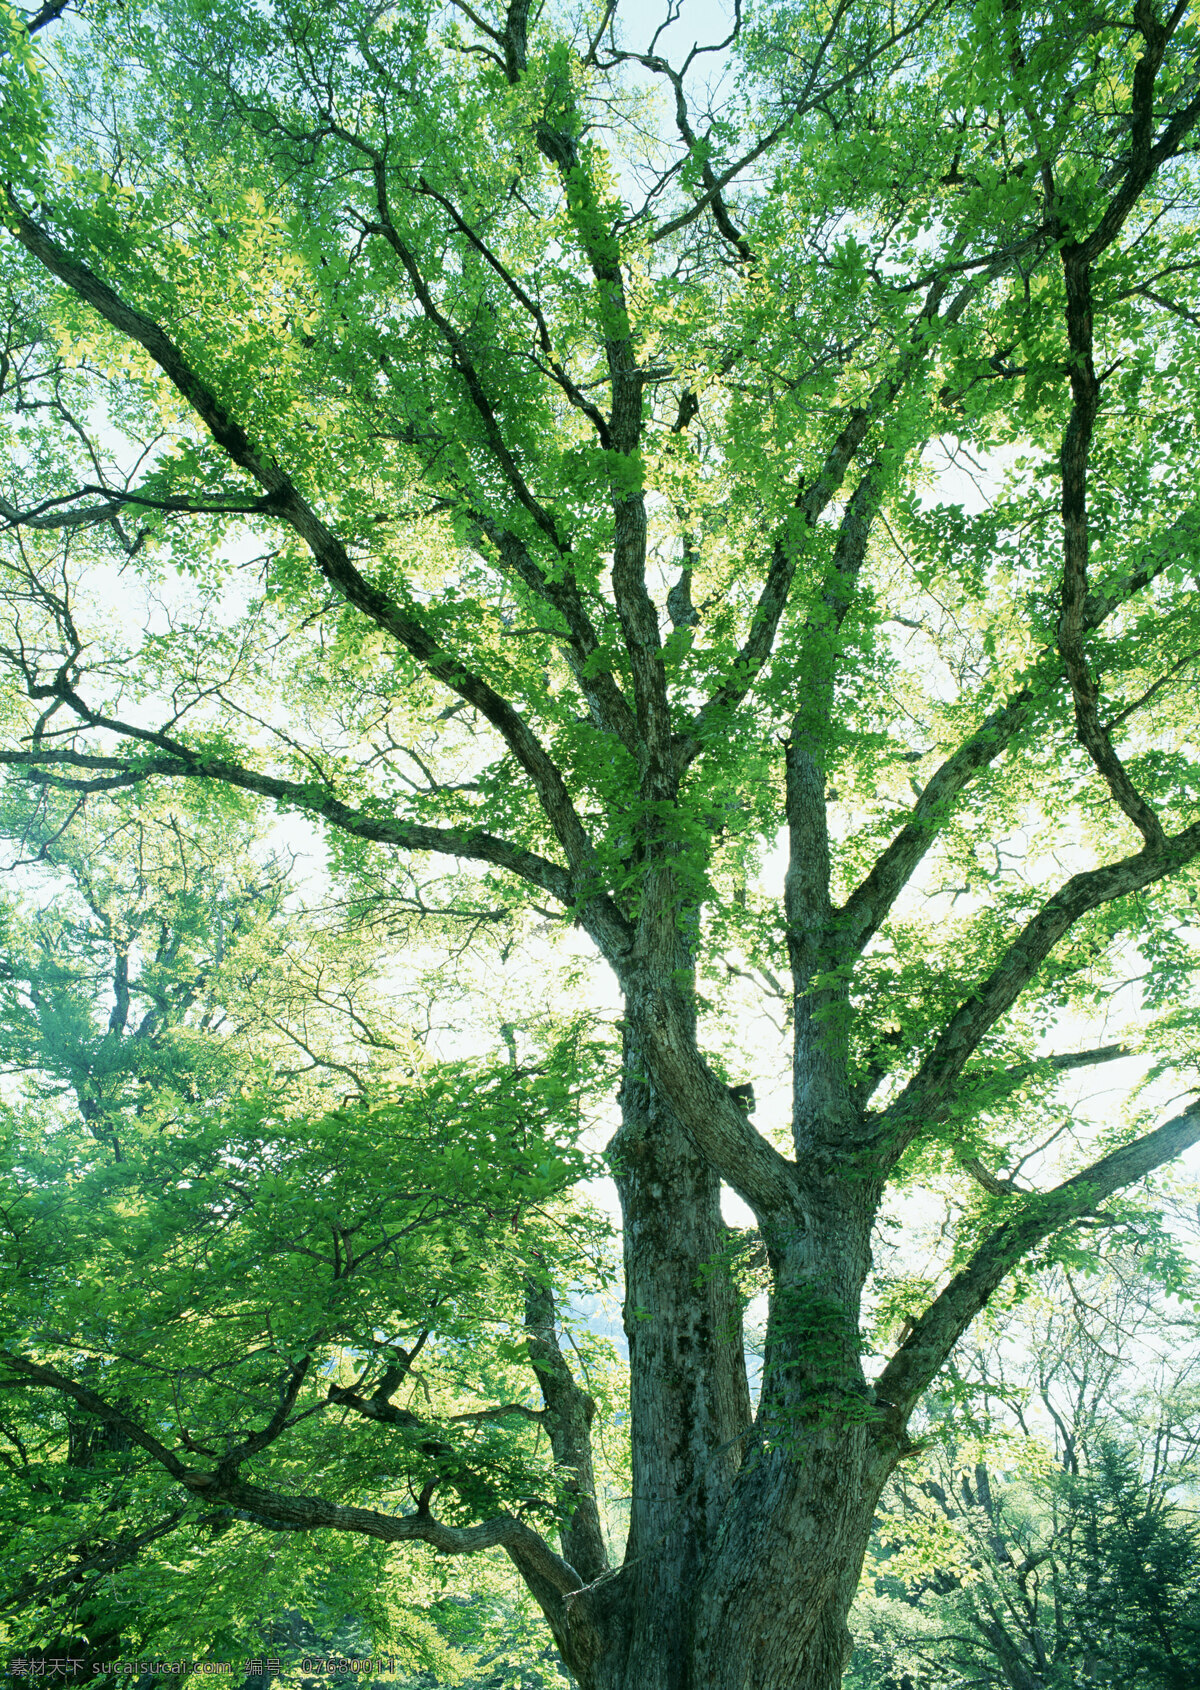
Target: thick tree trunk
column 770, row 1611
column 746, row 1537
column 766, row 1608
column 689, row 1399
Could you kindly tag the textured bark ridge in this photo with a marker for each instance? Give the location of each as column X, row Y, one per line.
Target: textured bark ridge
column 747, row 1533
column 772, row 1606
column 689, row 1400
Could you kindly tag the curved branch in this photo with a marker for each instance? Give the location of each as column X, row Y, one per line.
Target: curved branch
column 1064, row 1062
column 635, row 608
column 809, row 505
column 331, row 556
column 713, row 194
column 311, row 1513
column 88, row 1573
column 1074, row 464
column 51, row 12
column 706, row 1110
column 934, row 1335
column 533, row 310
column 809, row 98
column 39, row 1376
column 102, row 774
column 567, row 1418
column 928, row 1095
column 49, row 513
column 267, row 1434
column 868, row 906
column 527, row 1548
column 460, row 357
column 609, row 707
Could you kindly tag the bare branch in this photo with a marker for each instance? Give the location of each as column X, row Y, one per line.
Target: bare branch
column 1078, row 256
column 485, row 29
column 314, row 1513
column 48, row 514
column 568, row 1419
column 713, row 197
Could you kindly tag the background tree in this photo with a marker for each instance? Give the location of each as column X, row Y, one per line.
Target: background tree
column 1052, row 1539
column 514, row 437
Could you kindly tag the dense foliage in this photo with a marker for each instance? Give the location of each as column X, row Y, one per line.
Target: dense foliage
column 232, row 1175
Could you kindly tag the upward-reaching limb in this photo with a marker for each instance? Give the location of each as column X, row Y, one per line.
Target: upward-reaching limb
column 926, row 1097
column 1038, row 1216
column 568, row 1420
column 868, row 906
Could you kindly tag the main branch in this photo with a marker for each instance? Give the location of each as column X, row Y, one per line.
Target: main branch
column 54, row 766
column 927, row 1096
column 309, row 1512
column 331, row 556
column 935, row 1334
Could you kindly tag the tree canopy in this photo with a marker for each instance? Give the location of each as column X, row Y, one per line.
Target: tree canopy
column 725, row 496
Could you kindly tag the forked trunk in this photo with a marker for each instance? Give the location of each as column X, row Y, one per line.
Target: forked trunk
column 746, row 1534
column 766, row 1608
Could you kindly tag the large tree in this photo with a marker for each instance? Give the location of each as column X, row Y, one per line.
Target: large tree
column 583, row 450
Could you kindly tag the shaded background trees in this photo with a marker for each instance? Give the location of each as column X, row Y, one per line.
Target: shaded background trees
column 1053, row 1538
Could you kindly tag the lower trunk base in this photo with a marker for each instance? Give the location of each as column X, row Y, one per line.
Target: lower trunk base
column 768, row 1607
